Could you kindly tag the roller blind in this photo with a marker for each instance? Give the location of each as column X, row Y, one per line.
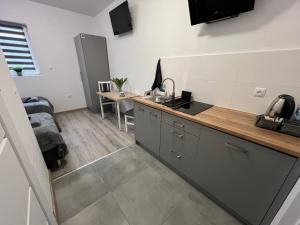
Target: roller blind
column 15, row 45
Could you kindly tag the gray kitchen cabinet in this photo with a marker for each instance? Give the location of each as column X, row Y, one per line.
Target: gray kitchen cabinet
column 247, row 179
column 181, row 141
column 179, row 160
column 181, row 124
column 147, row 125
column 244, row 176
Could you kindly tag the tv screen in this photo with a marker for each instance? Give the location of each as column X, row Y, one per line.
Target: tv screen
column 121, row 19
column 202, row 11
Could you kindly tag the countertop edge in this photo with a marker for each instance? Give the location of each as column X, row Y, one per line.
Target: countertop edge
column 260, row 138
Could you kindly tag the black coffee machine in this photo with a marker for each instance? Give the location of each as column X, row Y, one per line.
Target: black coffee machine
column 278, row 116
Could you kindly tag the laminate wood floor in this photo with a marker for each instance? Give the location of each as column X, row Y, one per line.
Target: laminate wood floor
column 89, row 137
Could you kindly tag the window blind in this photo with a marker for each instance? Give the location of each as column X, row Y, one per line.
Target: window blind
column 16, row 47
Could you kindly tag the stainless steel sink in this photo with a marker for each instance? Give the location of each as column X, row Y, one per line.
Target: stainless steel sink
column 157, row 99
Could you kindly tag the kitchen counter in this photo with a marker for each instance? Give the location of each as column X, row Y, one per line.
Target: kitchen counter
column 237, row 123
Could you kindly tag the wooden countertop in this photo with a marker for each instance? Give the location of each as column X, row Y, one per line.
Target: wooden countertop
column 115, row 96
column 236, row 123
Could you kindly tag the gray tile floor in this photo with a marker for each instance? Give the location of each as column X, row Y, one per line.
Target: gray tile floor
column 130, row 187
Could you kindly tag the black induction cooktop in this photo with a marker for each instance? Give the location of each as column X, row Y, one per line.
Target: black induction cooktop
column 193, row 108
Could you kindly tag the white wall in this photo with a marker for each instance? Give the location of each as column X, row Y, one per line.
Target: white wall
column 51, row 32
column 162, row 29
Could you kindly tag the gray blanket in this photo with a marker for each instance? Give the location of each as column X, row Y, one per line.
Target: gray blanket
column 47, row 134
column 38, row 105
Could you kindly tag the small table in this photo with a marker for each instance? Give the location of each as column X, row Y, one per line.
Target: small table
column 115, row 97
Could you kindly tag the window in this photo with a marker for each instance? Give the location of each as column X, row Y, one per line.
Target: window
column 14, row 42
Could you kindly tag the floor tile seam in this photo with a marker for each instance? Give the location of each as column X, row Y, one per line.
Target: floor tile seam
column 90, row 163
column 122, row 211
column 88, row 206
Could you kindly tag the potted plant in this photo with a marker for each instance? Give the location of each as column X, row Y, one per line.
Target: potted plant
column 18, row 70
column 119, row 82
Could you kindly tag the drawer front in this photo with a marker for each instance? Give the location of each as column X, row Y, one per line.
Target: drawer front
column 244, row 176
column 36, row 215
column 180, row 140
column 13, row 188
column 2, row 133
column 179, row 161
column 182, row 124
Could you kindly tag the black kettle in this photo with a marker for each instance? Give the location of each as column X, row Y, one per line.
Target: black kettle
column 283, row 107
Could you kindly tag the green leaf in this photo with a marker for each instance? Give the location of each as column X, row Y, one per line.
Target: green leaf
column 17, row 69
column 119, row 82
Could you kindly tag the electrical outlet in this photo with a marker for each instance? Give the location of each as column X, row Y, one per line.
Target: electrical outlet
column 260, row 92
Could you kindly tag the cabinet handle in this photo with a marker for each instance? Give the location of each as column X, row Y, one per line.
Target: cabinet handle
column 179, row 157
column 141, row 110
column 155, row 115
column 235, row 148
column 178, row 124
column 180, row 136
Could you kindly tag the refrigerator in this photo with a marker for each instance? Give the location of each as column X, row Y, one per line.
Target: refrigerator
column 93, row 64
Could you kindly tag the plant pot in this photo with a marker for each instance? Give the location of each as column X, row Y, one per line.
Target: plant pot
column 122, row 94
column 19, row 73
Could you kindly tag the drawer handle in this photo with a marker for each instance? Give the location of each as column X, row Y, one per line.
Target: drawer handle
column 141, row 110
column 177, row 156
column 180, row 136
column 155, row 115
column 235, row 148
column 178, row 124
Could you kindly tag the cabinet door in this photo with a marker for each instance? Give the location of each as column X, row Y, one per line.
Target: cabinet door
column 147, row 123
column 13, row 188
column 140, row 123
column 177, row 159
column 153, row 130
column 242, row 175
column 36, row 215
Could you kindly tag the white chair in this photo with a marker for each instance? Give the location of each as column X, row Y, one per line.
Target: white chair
column 129, row 119
column 105, row 86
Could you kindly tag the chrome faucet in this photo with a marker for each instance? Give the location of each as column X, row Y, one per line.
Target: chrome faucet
column 173, row 92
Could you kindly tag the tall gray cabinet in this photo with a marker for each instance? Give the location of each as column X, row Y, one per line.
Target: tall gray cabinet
column 94, row 67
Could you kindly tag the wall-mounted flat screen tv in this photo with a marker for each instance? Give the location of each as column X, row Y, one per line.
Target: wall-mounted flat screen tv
column 121, row 19
column 207, row 11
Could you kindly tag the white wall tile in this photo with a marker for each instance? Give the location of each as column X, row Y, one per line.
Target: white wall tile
column 229, row 79
column 272, row 67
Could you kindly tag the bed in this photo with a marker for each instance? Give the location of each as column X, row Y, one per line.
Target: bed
column 49, row 138
column 38, row 105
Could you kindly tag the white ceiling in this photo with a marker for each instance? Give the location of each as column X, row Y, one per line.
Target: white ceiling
column 87, row 7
